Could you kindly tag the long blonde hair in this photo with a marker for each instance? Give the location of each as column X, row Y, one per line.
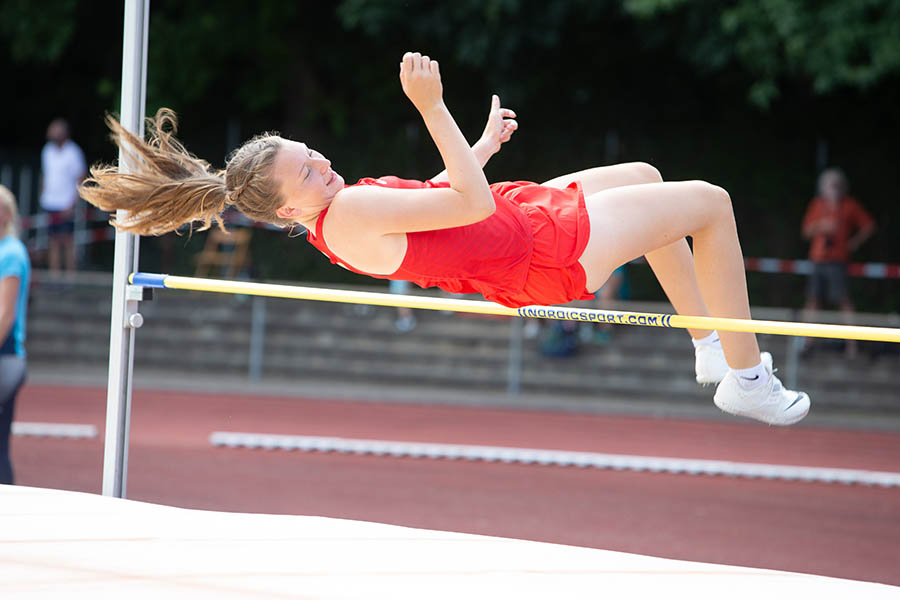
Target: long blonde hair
column 8, row 202
column 170, row 187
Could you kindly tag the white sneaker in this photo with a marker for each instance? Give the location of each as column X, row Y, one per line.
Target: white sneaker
column 709, row 364
column 769, row 403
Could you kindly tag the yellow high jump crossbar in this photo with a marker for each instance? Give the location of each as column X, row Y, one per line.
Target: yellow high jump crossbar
column 854, row 332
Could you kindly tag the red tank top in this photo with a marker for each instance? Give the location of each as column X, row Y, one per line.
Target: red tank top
column 490, row 257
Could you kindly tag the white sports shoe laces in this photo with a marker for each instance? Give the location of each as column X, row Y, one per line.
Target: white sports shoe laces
column 769, row 403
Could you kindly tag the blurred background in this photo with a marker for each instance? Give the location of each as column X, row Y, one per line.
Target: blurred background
column 758, row 97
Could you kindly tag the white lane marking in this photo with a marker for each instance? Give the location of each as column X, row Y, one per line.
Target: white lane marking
column 56, row 430
column 562, row 458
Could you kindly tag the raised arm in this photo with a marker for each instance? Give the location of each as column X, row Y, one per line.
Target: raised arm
column 500, row 126
column 366, row 211
column 421, row 81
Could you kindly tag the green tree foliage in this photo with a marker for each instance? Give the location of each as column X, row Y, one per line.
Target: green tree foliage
column 825, row 44
column 479, row 31
column 231, row 49
column 201, row 48
column 593, row 81
column 37, row 31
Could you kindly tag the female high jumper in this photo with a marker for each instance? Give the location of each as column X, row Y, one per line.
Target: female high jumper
column 515, row 243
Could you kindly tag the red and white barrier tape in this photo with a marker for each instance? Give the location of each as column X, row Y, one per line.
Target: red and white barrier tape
column 871, row 270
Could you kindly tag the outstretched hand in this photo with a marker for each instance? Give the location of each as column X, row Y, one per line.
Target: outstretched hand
column 421, row 80
column 501, row 124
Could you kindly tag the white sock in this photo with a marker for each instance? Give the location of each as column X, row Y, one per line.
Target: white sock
column 753, row 377
column 711, row 340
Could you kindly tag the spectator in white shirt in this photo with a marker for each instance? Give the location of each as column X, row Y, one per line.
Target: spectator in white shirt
column 63, row 168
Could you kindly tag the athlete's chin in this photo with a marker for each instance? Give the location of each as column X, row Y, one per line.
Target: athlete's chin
column 333, row 187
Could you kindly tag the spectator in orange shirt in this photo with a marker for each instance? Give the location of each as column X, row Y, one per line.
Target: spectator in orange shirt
column 836, row 225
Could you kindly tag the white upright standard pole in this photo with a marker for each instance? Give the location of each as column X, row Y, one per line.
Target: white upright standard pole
column 121, row 339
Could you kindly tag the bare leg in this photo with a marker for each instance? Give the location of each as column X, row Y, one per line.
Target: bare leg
column 627, row 222
column 674, row 268
column 673, row 264
column 604, row 178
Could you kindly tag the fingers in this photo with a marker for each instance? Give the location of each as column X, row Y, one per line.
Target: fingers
column 414, row 61
column 509, row 127
column 421, row 79
column 407, row 62
column 505, row 113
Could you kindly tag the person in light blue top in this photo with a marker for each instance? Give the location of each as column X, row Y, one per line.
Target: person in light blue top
column 15, row 273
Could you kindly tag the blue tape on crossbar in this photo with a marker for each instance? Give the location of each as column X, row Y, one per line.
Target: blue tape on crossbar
column 154, row 280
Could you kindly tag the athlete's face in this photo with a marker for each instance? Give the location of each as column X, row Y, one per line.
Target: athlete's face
column 306, row 180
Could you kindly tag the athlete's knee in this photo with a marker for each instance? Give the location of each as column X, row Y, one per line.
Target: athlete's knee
column 721, row 196
column 645, row 172
column 717, row 197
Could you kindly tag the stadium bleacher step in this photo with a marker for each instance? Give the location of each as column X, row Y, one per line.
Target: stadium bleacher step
column 208, row 333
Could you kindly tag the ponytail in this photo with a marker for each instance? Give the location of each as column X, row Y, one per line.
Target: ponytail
column 169, row 187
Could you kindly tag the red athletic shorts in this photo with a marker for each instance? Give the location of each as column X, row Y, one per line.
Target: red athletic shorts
column 561, row 229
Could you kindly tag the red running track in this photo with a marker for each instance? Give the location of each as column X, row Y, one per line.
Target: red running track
column 827, row 529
